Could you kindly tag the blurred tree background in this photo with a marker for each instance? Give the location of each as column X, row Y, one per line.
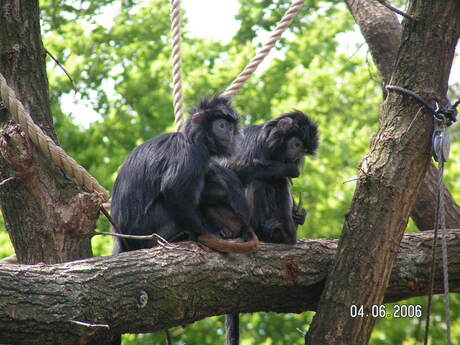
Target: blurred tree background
column 118, row 53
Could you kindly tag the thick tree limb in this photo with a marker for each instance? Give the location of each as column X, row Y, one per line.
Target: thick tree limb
column 152, row 290
column 424, row 209
column 382, row 31
column 390, row 177
column 56, row 217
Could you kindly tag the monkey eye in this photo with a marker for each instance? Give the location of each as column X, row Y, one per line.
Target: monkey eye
column 221, row 125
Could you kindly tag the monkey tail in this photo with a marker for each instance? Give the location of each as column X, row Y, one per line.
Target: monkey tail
column 227, row 246
column 232, row 325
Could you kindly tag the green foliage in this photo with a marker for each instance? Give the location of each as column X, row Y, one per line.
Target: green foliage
column 411, row 331
column 256, row 329
column 118, row 53
column 6, row 248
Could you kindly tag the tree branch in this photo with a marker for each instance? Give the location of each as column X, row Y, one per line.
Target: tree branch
column 152, row 290
column 395, row 10
column 423, row 213
column 56, row 215
column 382, row 32
column 390, row 177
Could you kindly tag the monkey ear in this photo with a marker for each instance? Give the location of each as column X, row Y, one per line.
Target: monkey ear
column 285, row 123
column 198, row 118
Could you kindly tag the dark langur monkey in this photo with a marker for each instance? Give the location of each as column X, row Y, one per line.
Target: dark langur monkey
column 160, row 185
column 224, row 205
column 273, row 214
column 288, row 139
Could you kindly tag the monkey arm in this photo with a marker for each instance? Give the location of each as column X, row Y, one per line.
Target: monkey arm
column 185, row 214
column 182, row 206
column 257, row 169
column 182, row 184
column 213, row 194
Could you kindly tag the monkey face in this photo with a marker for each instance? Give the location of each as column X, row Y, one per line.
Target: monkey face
column 295, row 150
column 221, row 137
column 223, row 131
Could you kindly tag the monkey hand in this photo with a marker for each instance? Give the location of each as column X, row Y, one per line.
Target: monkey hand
column 292, row 170
column 299, row 216
column 272, row 224
column 227, row 232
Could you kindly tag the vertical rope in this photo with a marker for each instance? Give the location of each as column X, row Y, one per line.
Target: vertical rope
column 287, row 19
column 177, row 64
column 440, row 223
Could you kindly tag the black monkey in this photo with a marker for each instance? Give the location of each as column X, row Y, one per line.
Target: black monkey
column 273, row 214
column 288, row 139
column 224, row 206
column 160, row 186
column 223, row 203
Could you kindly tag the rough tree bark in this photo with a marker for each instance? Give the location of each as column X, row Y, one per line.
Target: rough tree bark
column 423, row 213
column 48, row 217
column 382, row 31
column 390, row 177
column 184, row 284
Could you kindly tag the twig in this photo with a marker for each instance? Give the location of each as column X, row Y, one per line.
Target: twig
column 62, row 67
column 87, row 324
column 356, row 51
column 351, row 180
column 301, row 331
column 7, row 181
column 160, row 240
column 109, row 217
column 108, row 204
column 396, row 10
column 12, row 259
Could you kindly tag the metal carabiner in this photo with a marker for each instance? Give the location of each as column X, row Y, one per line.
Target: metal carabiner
column 440, row 142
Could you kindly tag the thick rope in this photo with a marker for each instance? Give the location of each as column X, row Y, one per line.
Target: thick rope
column 176, row 64
column 439, row 223
column 445, row 263
column 255, row 62
column 76, row 171
column 46, row 144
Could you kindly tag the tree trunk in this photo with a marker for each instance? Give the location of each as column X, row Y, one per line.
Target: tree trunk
column 382, row 32
column 47, row 216
column 390, row 177
column 155, row 289
column 423, row 213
